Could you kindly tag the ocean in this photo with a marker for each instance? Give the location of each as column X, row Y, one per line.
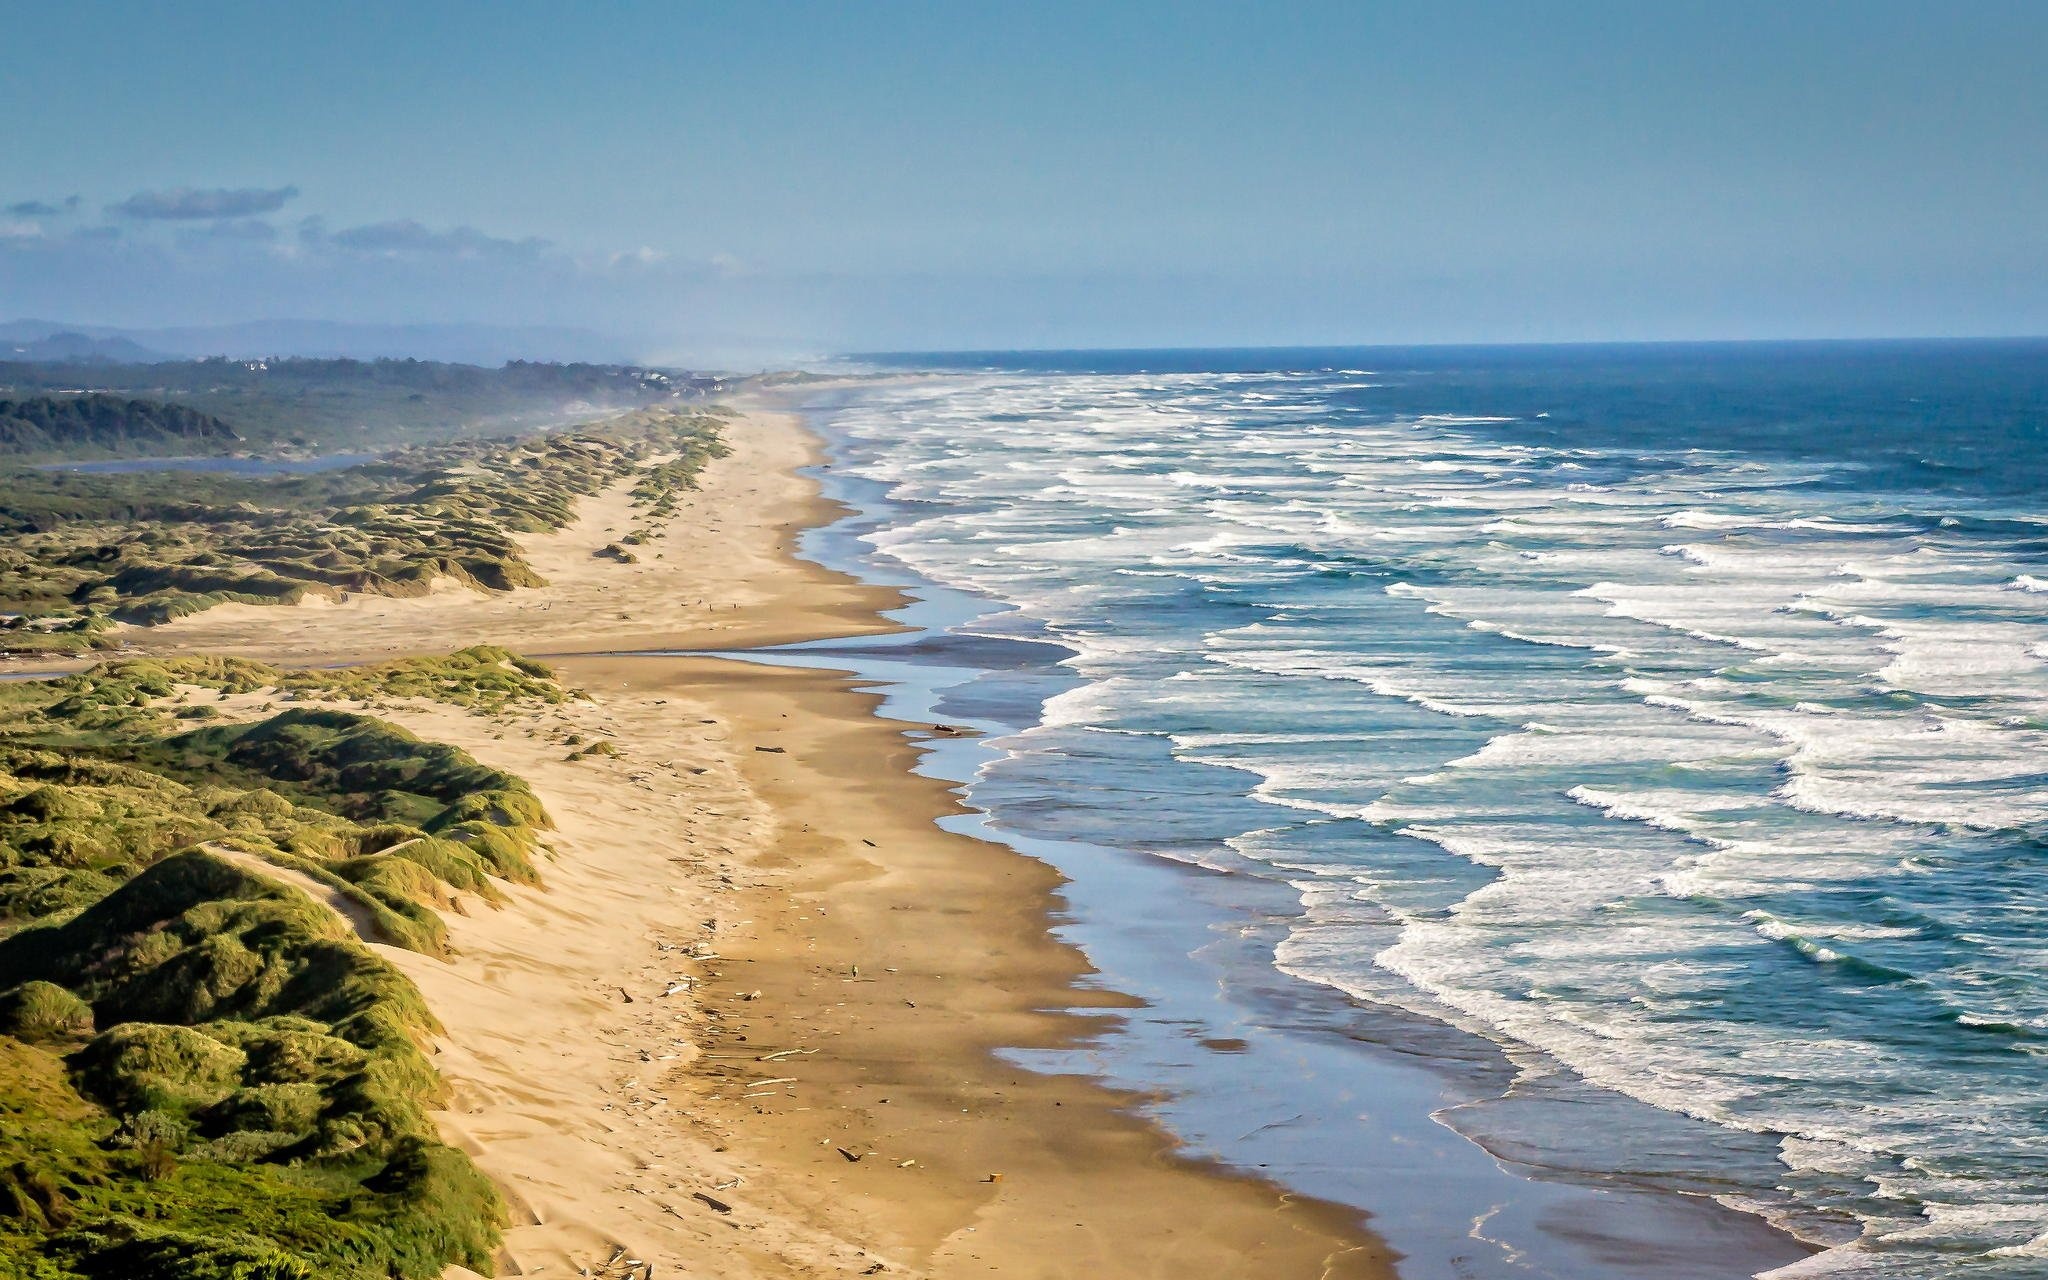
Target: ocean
column 1576, row 787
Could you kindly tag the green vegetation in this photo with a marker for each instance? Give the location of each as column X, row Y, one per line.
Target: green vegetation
column 203, row 1070
column 355, row 406
column 91, row 425
column 484, row 677
column 85, row 551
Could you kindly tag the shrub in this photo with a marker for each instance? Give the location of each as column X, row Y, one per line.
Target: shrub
column 244, row 1146
column 279, row 1108
column 153, row 1128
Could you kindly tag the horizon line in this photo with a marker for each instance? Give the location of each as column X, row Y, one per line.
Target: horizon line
column 1889, row 340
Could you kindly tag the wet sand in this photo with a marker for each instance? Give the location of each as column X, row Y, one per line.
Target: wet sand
column 751, row 1026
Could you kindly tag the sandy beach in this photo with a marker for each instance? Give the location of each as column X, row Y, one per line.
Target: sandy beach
column 724, row 576
column 751, row 1025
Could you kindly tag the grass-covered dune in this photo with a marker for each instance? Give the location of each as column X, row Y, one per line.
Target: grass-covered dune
column 94, row 424
column 204, row 1072
column 80, row 553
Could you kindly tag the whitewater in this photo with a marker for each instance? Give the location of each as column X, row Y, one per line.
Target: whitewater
column 1676, row 720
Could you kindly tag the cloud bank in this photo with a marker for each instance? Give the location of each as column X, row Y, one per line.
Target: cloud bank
column 185, row 204
column 198, row 256
column 43, row 208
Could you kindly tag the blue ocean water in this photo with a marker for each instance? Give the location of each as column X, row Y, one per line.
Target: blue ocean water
column 1675, row 717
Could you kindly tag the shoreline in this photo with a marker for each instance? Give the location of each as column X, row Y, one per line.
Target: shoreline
column 610, row 1122
column 1319, row 1090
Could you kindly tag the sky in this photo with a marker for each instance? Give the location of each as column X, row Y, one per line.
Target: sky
column 799, row 178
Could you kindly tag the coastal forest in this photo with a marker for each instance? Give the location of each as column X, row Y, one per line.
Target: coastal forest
column 305, row 405
column 97, row 423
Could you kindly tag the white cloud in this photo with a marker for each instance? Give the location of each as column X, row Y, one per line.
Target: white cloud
column 406, row 236
column 644, row 256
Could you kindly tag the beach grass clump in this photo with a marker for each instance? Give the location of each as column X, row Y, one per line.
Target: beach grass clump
column 659, row 489
column 253, row 1049
column 58, row 635
column 43, row 1012
column 485, row 678
column 140, row 1068
column 203, row 1068
column 431, row 862
column 365, row 769
column 507, row 848
column 85, row 1197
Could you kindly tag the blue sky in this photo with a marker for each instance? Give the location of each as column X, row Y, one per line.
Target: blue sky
column 802, row 177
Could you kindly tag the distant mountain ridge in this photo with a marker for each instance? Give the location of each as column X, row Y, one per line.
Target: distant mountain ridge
column 85, row 425
column 78, row 348
column 479, row 344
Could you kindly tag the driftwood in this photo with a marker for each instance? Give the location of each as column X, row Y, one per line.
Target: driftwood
column 621, row 1267
column 709, row 1199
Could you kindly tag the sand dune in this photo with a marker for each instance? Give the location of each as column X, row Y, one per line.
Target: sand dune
column 747, row 1027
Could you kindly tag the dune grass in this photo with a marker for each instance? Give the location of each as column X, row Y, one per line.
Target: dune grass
column 204, row 1072
column 83, row 552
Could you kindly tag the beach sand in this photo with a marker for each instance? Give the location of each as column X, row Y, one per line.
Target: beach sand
column 751, row 1025
column 724, row 576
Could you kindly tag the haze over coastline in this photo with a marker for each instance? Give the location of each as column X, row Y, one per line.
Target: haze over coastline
column 734, row 184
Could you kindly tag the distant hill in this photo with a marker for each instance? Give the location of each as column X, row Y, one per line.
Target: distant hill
column 324, row 339
column 78, row 348
column 297, row 405
column 91, row 425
